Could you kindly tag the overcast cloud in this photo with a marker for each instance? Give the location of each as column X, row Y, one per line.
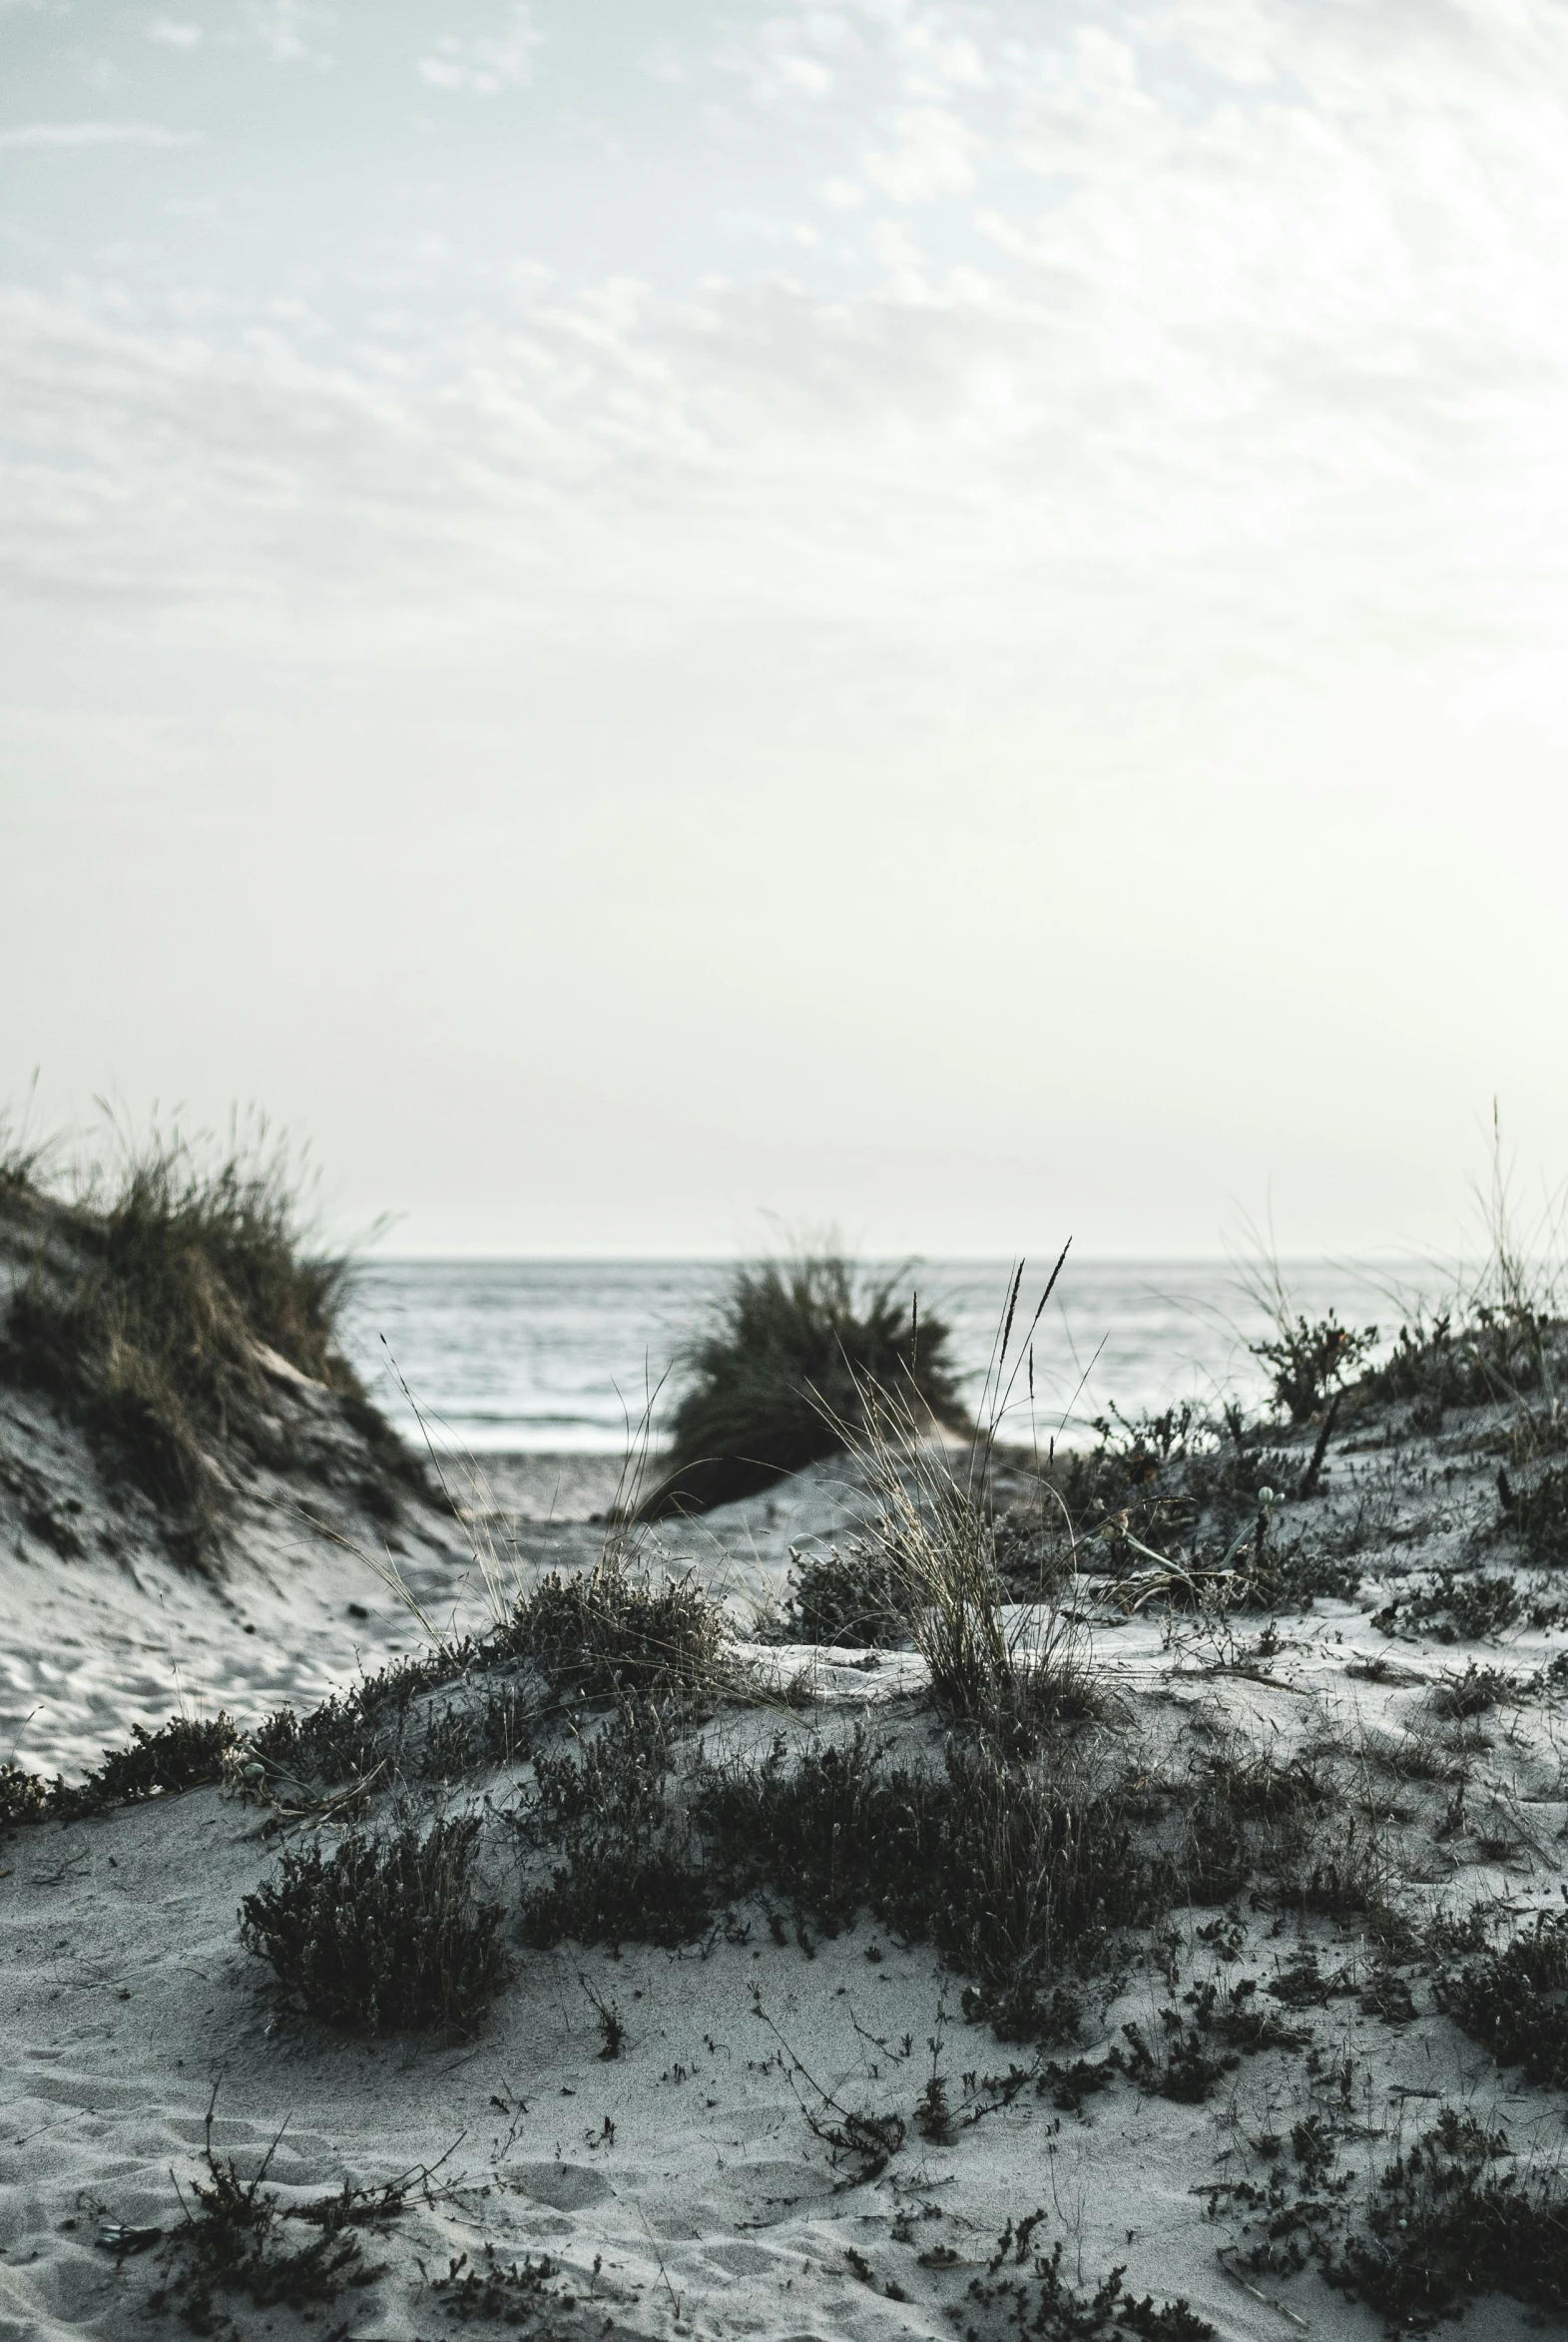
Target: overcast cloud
column 950, row 616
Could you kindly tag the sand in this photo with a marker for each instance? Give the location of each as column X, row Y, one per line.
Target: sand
column 682, row 2188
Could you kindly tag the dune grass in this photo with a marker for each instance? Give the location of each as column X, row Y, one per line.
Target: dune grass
column 782, row 1375
column 151, row 1291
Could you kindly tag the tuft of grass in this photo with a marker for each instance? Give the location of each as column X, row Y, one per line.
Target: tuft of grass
column 782, row 1375
column 24, row 1159
column 935, row 1533
column 385, row 1934
column 175, row 1267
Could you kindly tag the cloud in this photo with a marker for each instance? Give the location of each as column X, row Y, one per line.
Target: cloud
column 173, row 35
column 484, row 66
column 96, row 134
column 288, row 30
column 1082, row 306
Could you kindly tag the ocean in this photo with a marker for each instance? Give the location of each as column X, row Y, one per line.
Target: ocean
column 557, row 1357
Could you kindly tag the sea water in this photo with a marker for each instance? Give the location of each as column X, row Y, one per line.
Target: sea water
column 531, row 1356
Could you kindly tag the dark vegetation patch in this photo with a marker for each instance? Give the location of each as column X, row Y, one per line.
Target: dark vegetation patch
column 784, row 1375
column 1252, row 1823
column 515, row 2293
column 388, row 1932
column 1025, row 2292
column 1447, row 2224
column 1190, row 2055
column 185, row 1753
column 149, row 1303
column 1456, row 1607
column 1536, row 1511
column 1021, row 1874
column 855, row 1600
column 609, row 1633
column 1474, row 1692
column 614, row 1633
column 236, row 2239
column 1178, row 1509
column 1308, row 1362
column 627, row 1869
column 1501, row 1350
column 606, row 1634
column 1515, row 2002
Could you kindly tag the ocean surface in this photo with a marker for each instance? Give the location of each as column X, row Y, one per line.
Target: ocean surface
column 561, row 1357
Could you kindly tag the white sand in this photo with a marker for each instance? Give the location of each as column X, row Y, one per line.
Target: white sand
column 680, row 2189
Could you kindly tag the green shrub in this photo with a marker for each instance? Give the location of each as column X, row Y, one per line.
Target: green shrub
column 384, row 1933
column 782, row 1376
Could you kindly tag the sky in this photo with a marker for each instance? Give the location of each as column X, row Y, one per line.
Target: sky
column 657, row 624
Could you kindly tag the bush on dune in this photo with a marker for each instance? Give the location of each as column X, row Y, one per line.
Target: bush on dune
column 384, row 1933
column 150, row 1297
column 783, row 1373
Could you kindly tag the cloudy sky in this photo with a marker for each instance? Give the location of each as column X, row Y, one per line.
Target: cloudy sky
column 952, row 617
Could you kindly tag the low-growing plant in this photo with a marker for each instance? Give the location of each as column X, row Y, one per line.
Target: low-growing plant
column 496, row 2292
column 782, row 1376
column 1041, row 2302
column 1246, row 1815
column 233, row 2238
column 1536, row 1510
column 628, row 1870
column 1456, row 1607
column 837, row 1830
column 1514, row 2002
column 609, row 1632
column 1473, row 1692
column 1449, row 2223
column 1022, row 1873
column 849, row 1599
column 613, row 1632
column 186, row 1753
column 1308, row 1362
column 386, row 1932
column 355, row 1735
